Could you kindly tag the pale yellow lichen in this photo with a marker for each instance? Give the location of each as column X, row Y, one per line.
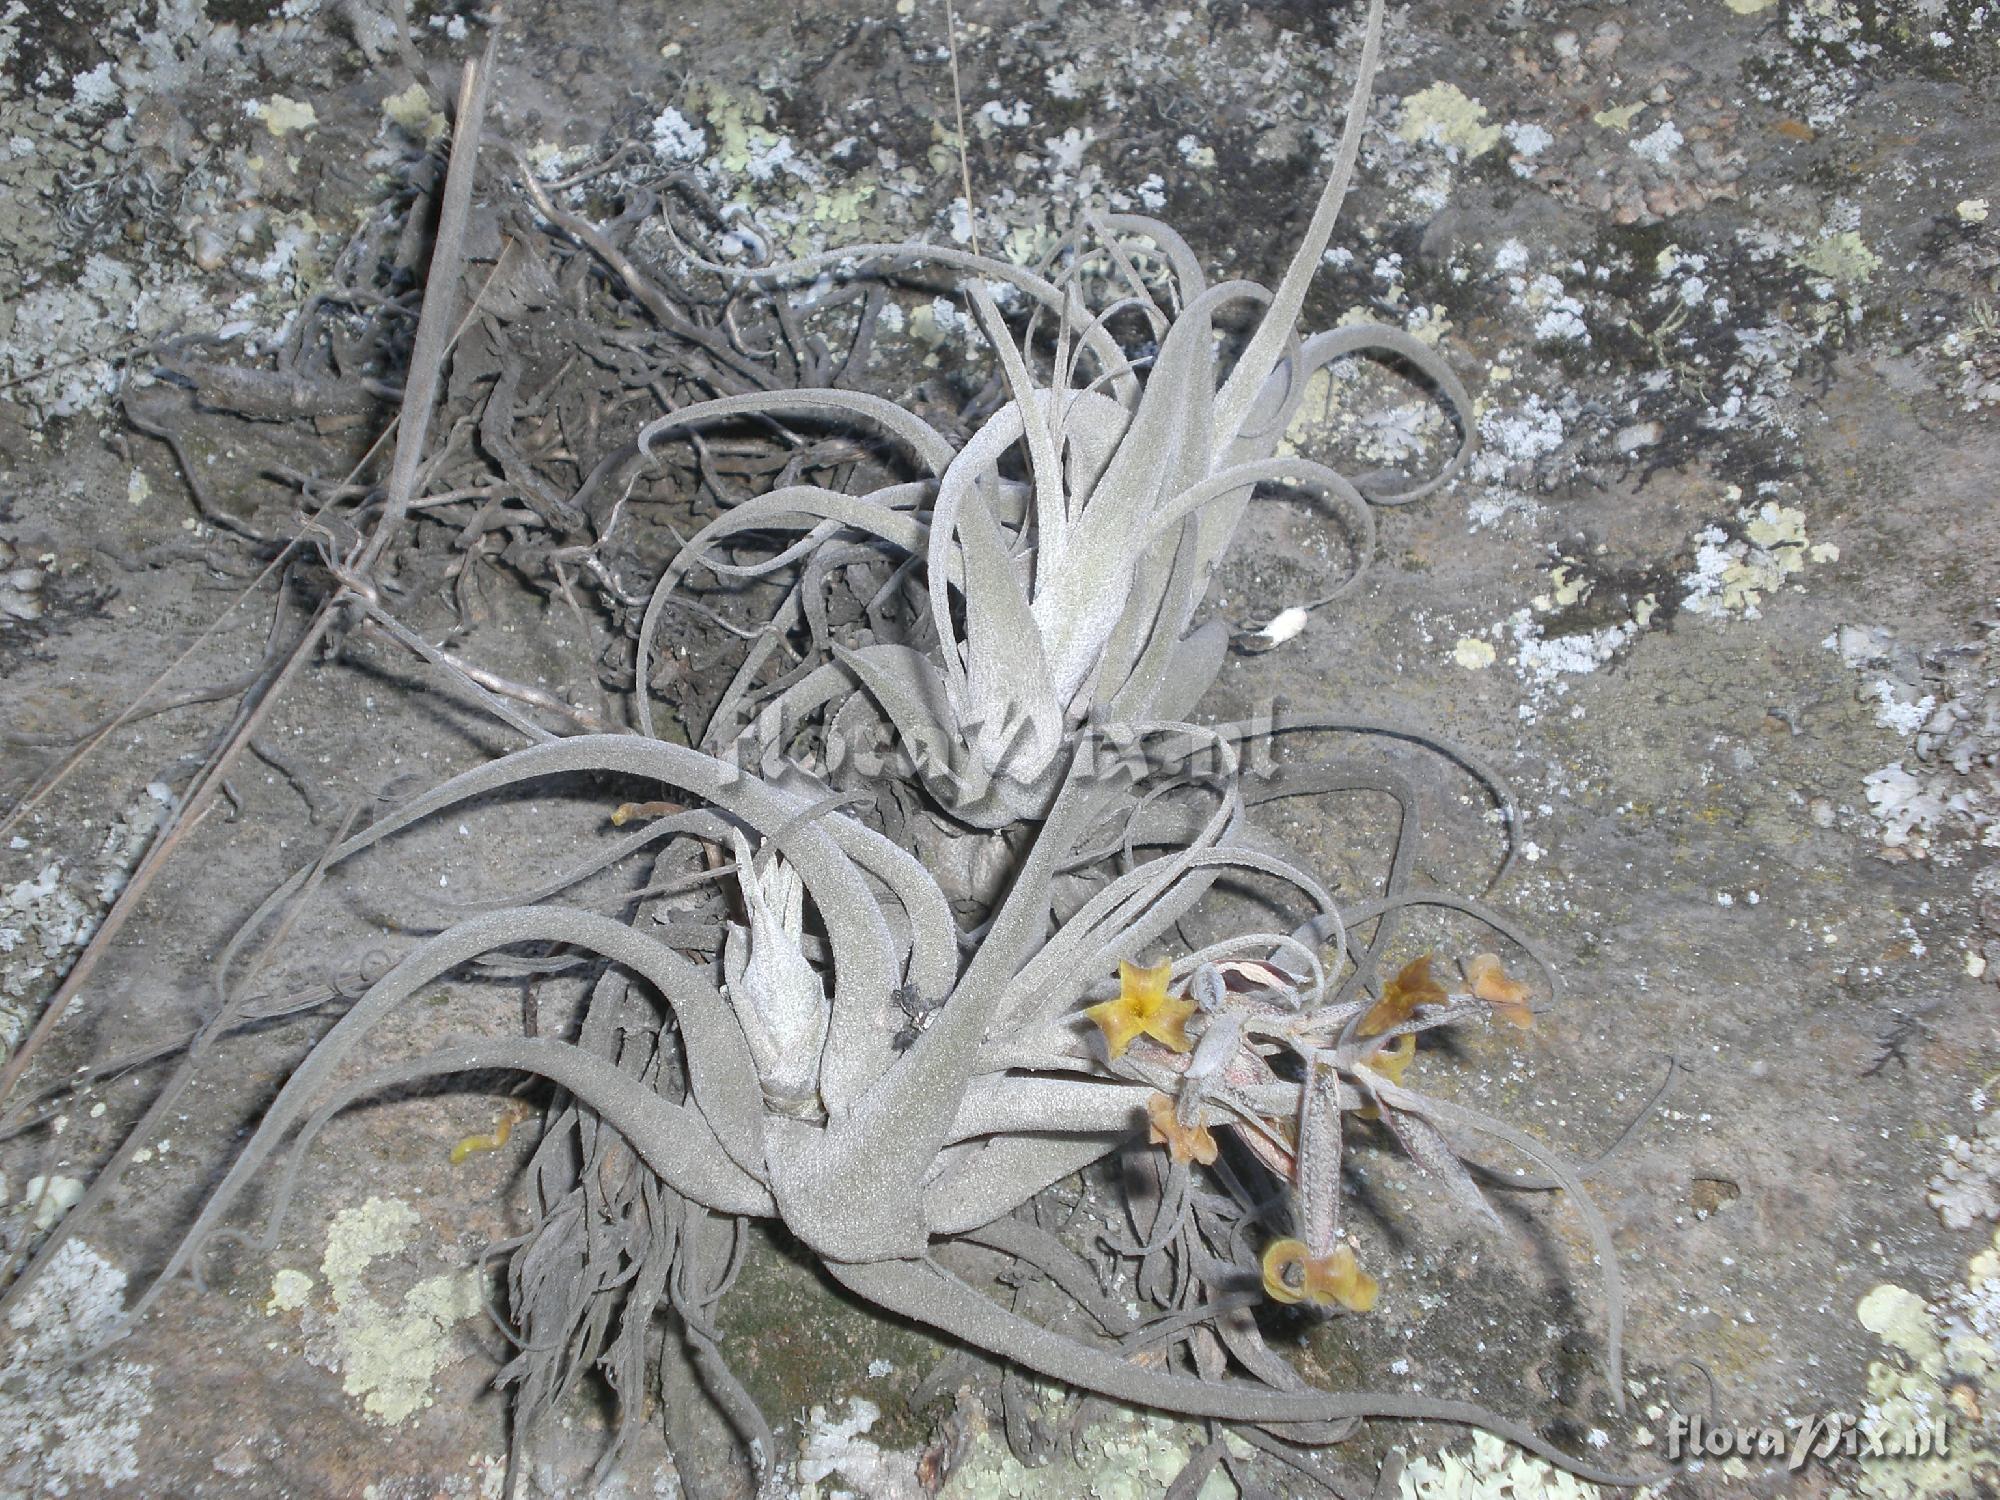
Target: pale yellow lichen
column 381, row 1226
column 52, row 1197
column 289, row 1289
column 1569, row 588
column 1444, row 115
column 1897, row 1317
column 1843, row 258
column 1778, row 537
column 1940, row 1363
column 1619, row 117
column 839, row 206
column 413, row 111
column 281, row 116
column 391, row 1355
column 388, row 1353
column 1026, row 244
column 1778, row 526
column 1473, row 654
column 737, row 122
column 1734, row 577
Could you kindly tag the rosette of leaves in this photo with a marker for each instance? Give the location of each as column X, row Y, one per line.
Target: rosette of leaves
column 898, row 1155
column 1069, row 595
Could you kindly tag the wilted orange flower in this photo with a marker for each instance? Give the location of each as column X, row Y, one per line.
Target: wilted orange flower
column 1183, row 1142
column 1508, row 996
column 1401, row 996
column 1292, row 1275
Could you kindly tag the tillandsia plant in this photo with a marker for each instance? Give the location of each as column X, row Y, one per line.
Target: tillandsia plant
column 882, row 1160
column 1067, row 595
column 799, row 1022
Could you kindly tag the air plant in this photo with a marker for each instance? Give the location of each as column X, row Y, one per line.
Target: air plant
column 879, row 1160
column 1067, row 597
column 763, row 1060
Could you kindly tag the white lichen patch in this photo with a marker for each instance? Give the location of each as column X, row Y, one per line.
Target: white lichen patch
column 46, row 919
column 388, row 1349
column 1966, row 1188
column 1385, row 432
column 72, row 331
column 1944, row 792
column 1557, row 315
column 1542, row 661
column 1491, row 1469
column 68, row 1424
column 1660, row 144
column 1906, row 808
column 1514, row 440
column 1126, row 1457
column 1968, row 360
column 1195, row 152
column 1734, row 575
column 1546, row 660
column 839, row 1450
column 1529, row 141
column 675, row 139
column 129, row 142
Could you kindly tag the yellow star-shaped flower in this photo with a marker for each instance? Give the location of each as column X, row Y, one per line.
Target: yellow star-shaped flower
column 1293, row 1275
column 1143, row 1008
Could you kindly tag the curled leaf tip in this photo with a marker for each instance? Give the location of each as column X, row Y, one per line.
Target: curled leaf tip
column 493, row 1140
column 1294, row 1274
column 1143, row 1008
column 625, row 812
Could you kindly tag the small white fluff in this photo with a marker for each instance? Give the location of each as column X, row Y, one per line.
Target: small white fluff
column 1282, row 628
